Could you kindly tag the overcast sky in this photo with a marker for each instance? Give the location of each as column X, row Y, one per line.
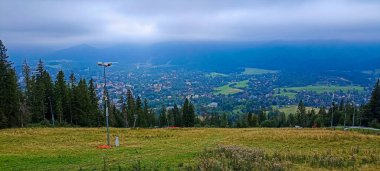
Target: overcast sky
column 64, row 23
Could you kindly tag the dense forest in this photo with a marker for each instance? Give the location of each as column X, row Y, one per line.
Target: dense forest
column 44, row 101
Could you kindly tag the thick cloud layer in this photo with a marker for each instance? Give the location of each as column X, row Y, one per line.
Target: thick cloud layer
column 65, row 23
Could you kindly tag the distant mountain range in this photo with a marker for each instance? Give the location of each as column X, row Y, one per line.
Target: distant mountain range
column 229, row 56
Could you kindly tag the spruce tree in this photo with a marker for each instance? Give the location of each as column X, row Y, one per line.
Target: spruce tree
column 262, row 116
column 70, row 92
column 185, row 113
column 129, row 119
column 38, row 92
column 9, row 92
column 301, row 114
column 123, row 111
column 176, row 116
column 224, row 121
column 94, row 110
column 81, row 105
column 191, row 115
column 372, row 109
column 255, row 120
column 249, row 119
column 162, row 120
column 60, row 95
column 146, row 114
column 26, row 72
column 25, row 104
column 140, row 122
column 49, row 99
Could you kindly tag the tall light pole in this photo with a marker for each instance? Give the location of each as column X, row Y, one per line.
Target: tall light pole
column 105, row 65
column 332, row 111
column 353, row 116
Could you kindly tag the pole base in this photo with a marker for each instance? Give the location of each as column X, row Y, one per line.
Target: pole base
column 103, row 146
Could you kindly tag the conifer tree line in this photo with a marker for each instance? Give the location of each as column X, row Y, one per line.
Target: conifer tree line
column 183, row 116
column 136, row 113
column 69, row 102
column 344, row 113
column 73, row 102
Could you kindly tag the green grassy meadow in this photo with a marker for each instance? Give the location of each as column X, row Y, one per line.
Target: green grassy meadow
column 323, row 88
column 216, row 74
column 231, row 88
column 319, row 89
column 290, row 95
column 257, row 71
column 76, row 148
column 292, row 109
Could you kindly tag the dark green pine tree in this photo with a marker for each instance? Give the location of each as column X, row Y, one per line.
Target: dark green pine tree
column 291, row 121
column 25, row 104
column 170, row 117
column 49, row 99
column 141, row 120
column 177, row 116
column 145, row 114
column 191, row 115
column 81, row 105
column 224, row 121
column 185, row 113
column 149, row 114
column 119, row 119
column 301, row 114
column 70, row 94
column 262, row 116
column 60, row 95
column 38, row 106
column 153, row 119
column 311, row 118
column 255, row 120
column 9, row 92
column 123, row 110
column 162, row 120
column 322, row 119
column 372, row 109
column 249, row 119
column 333, row 112
column 95, row 115
column 113, row 112
column 129, row 119
column 281, row 119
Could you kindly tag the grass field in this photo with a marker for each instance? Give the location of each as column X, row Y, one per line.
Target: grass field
column 292, row 91
column 321, row 88
column 292, row 109
column 231, row 88
column 372, row 72
column 75, row 148
column 216, row 74
column 257, row 71
column 290, row 95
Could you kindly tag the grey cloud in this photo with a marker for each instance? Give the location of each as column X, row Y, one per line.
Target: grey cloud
column 62, row 23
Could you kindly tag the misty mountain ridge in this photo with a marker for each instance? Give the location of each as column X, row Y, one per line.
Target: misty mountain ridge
column 229, row 56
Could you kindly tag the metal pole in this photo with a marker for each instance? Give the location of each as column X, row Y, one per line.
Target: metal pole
column 332, row 111
column 353, row 116
column 345, row 114
column 332, row 114
column 106, row 99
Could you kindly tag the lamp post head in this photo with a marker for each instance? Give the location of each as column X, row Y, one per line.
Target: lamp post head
column 107, row 64
column 104, row 64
